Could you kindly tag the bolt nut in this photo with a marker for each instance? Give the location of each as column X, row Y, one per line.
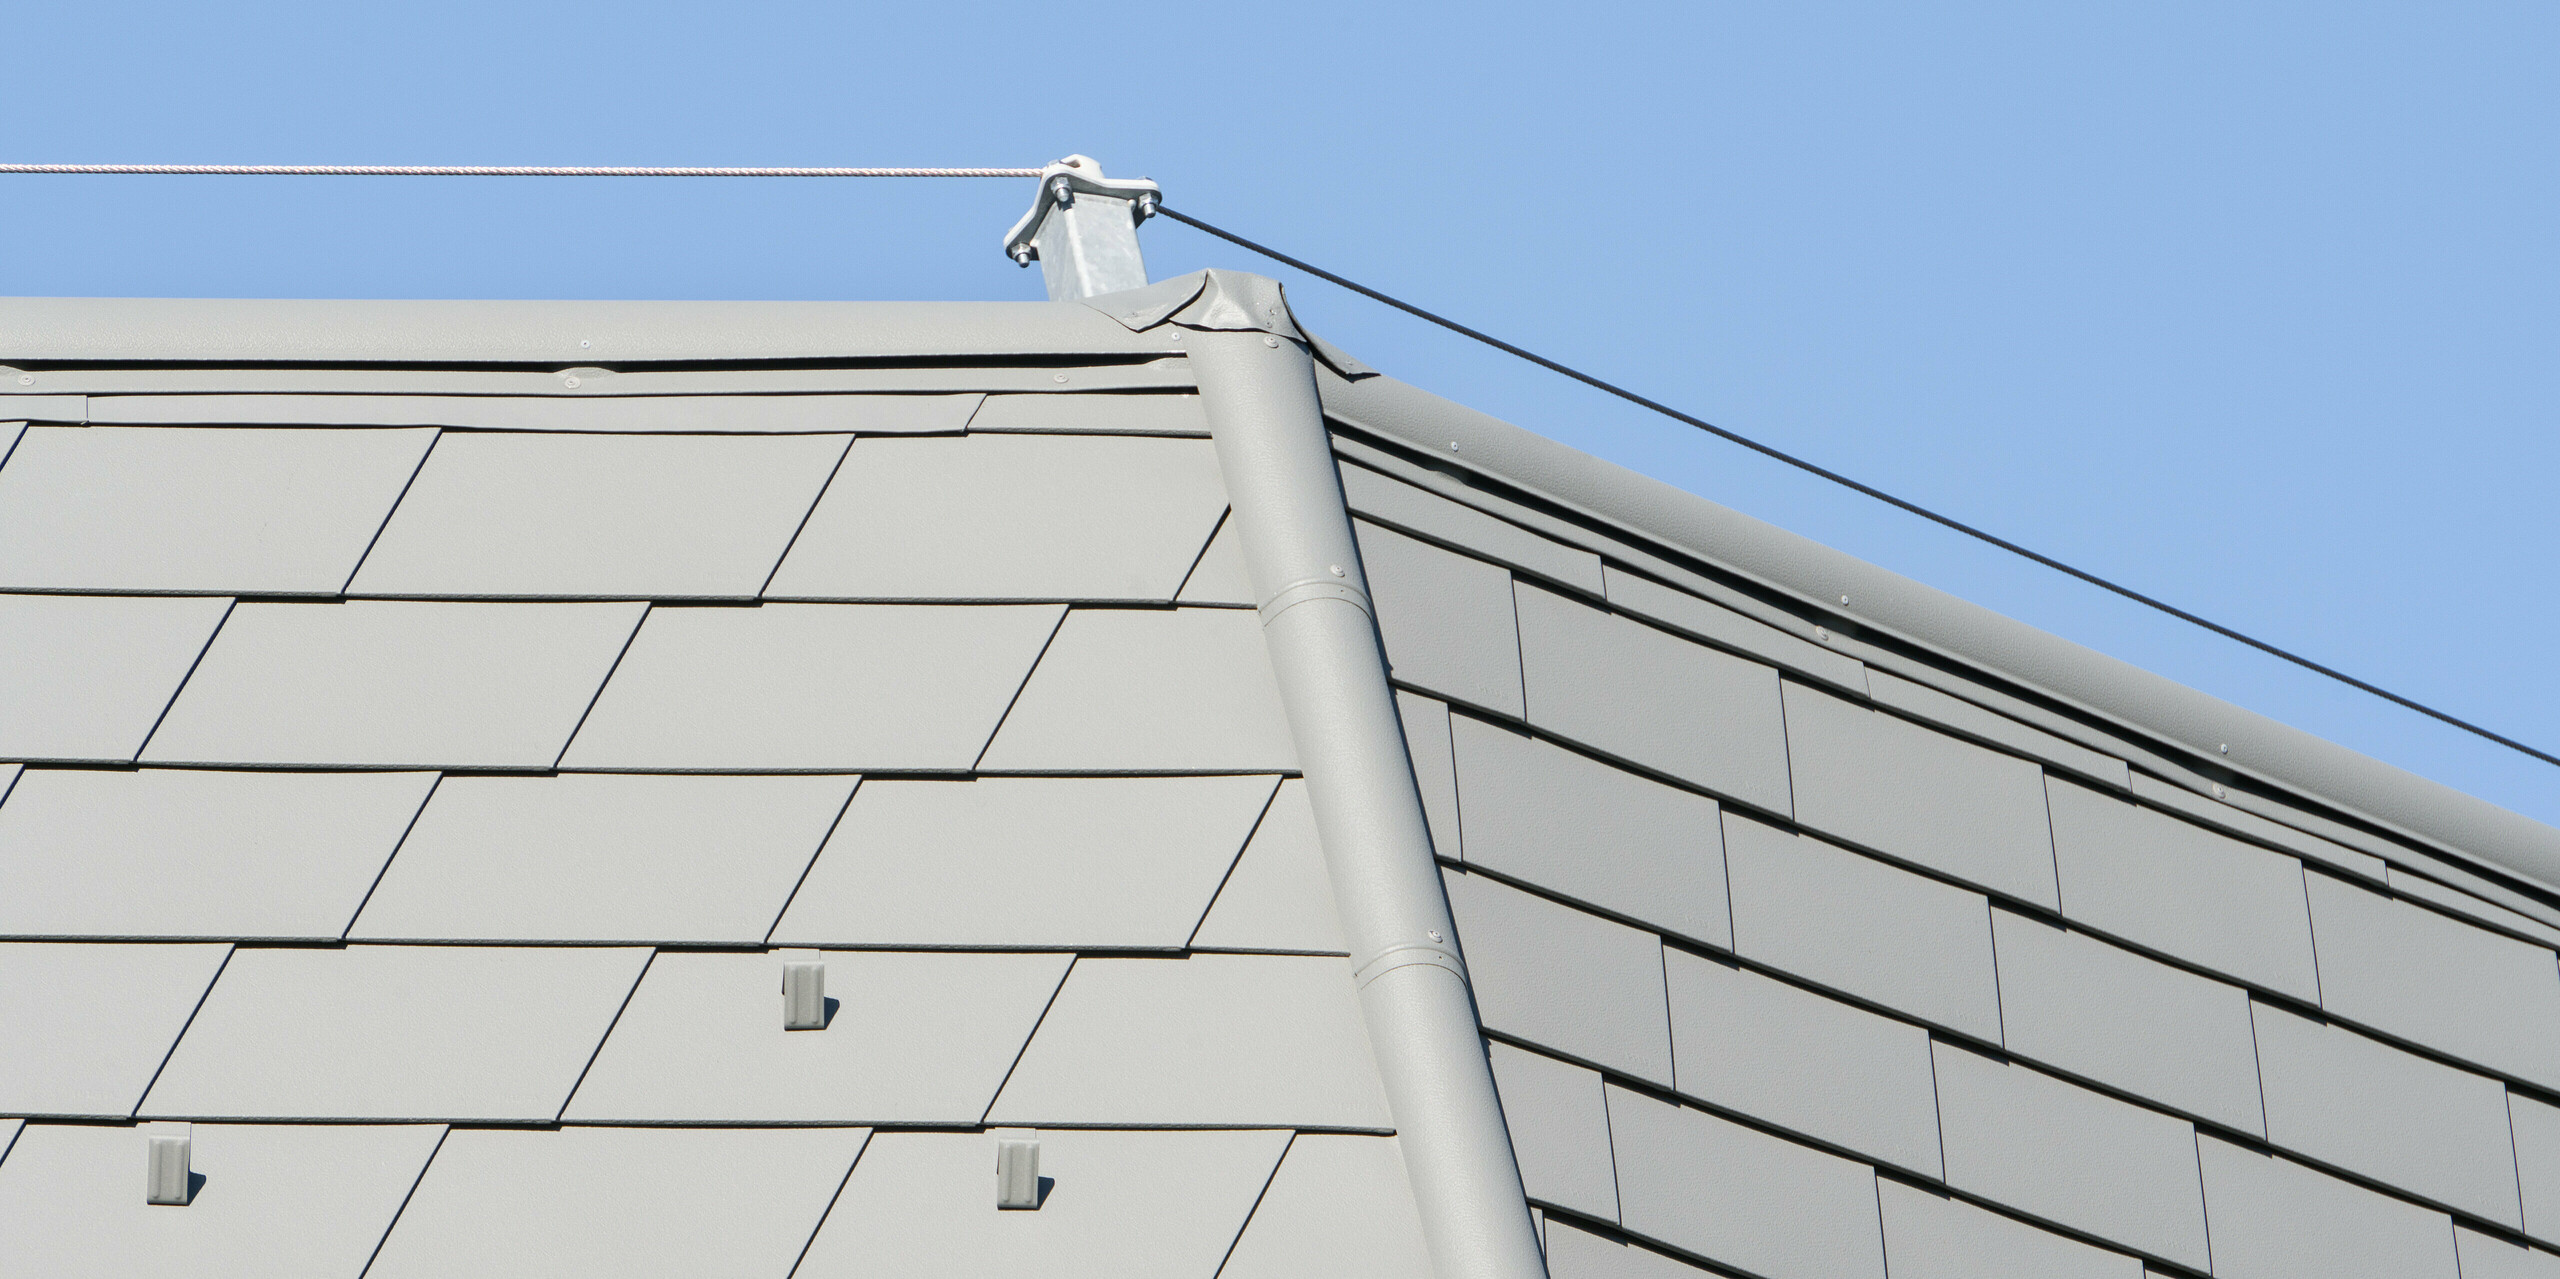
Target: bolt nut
column 26, row 379
column 1270, row 341
column 1435, row 936
column 1061, row 377
column 571, row 383
column 1337, row 570
column 583, row 344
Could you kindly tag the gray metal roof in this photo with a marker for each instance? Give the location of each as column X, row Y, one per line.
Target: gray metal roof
column 422, row 725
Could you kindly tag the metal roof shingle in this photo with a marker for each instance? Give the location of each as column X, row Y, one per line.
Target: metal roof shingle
column 1340, row 1205
column 1930, row 1236
column 1741, row 1197
column 89, row 1024
column 1119, row 1204
column 194, row 853
column 2272, row 1218
column 812, row 687
column 89, row 676
column 1578, row 984
column 915, row 1038
column 383, row 684
column 1279, row 897
column 1008, row 517
column 1211, row 1040
column 607, row 1203
column 1446, row 619
column 495, row 1034
column 284, row 1199
column 602, row 857
column 495, row 515
column 1025, row 862
column 210, row 511
column 1149, row 690
column 1559, row 1123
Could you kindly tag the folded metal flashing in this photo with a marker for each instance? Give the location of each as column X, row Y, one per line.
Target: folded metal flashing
column 2107, row 689
column 1259, row 390
column 547, row 333
column 1215, row 301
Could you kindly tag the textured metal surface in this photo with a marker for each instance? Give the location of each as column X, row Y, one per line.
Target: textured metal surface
column 1576, row 984
column 1716, row 1189
column 394, row 685
column 913, row 1038
column 1212, row 1039
column 395, row 1033
column 563, row 516
column 1145, row 690
column 1007, row 517
column 1631, row 691
column 1447, row 624
column 1812, row 1065
column 1260, row 393
column 1067, row 863
column 1920, row 796
column 212, row 331
column 602, row 858
column 1832, row 917
column 1339, row 1205
column 187, row 853
column 1622, row 842
column 197, row 511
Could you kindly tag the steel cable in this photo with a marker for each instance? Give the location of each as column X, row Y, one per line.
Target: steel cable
column 1816, row 469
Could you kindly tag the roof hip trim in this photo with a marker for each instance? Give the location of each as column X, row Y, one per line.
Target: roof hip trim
column 1267, row 424
column 2219, row 736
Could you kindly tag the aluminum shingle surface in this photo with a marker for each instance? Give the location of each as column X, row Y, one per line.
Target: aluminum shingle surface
column 498, row 514
column 1008, row 517
column 1339, row 1205
column 1910, row 792
column 619, row 1202
column 89, row 1024
column 2537, row 1135
column 914, row 1039
column 2273, row 1218
column 2465, row 991
column 396, row 1033
column 999, row 862
column 2182, row 890
column 1862, row 927
column 1425, row 514
column 1575, row 983
column 1279, row 897
column 689, row 414
column 88, row 676
column 1149, row 690
column 287, row 1199
column 812, row 687
column 1580, row 1254
column 1617, row 840
column 1444, row 618
column 1152, row 414
column 1428, row 742
column 1628, row 690
column 394, row 685
column 1211, row 1040
column 1930, row 1236
column 1558, row 1117
column 603, row 857
column 2484, row 1257
column 1689, row 615
column 1751, row 1044
column 1742, row 1198
column 1219, row 577
column 1119, row 1204
column 2068, row 1155
column 2101, row 1012
column 200, row 511
column 2354, row 1103
column 179, row 853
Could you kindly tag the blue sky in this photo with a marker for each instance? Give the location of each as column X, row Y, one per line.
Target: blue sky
column 2255, row 308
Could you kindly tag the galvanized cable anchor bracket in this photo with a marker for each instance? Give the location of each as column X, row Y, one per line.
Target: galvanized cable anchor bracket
column 1061, row 185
